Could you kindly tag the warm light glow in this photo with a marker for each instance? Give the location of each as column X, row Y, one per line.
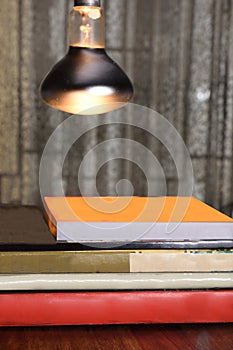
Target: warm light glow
column 85, row 103
column 87, row 27
column 101, row 90
column 86, row 30
column 90, row 11
column 94, row 14
column 89, row 46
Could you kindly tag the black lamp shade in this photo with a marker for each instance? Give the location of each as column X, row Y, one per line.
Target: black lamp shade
column 86, row 81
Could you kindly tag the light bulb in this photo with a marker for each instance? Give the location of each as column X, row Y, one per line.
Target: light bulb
column 86, row 81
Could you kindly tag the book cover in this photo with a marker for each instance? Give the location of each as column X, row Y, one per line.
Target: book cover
column 146, row 218
column 116, row 281
column 97, row 308
column 107, row 261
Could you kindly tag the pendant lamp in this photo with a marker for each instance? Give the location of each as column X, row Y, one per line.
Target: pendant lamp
column 86, row 81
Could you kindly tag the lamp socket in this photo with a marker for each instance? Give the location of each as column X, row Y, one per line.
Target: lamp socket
column 87, row 3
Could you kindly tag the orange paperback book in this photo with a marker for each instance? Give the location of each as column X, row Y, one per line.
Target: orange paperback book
column 119, row 219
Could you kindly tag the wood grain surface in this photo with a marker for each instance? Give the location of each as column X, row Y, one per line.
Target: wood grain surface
column 143, row 337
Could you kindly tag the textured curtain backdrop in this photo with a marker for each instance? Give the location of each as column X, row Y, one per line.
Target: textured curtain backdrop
column 178, row 53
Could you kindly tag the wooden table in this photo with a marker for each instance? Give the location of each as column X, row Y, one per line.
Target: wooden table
column 135, row 337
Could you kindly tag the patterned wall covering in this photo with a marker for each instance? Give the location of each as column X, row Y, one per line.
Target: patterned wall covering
column 179, row 55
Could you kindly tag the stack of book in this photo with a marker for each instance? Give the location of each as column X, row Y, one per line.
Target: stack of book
column 156, row 260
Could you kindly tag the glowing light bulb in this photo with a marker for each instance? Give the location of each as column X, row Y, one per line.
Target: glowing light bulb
column 86, row 81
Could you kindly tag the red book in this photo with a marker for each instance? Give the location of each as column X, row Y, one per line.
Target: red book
column 96, row 308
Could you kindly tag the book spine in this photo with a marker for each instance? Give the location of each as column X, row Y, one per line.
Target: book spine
column 116, row 281
column 116, row 261
column 96, row 308
column 63, row 262
column 182, row 261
